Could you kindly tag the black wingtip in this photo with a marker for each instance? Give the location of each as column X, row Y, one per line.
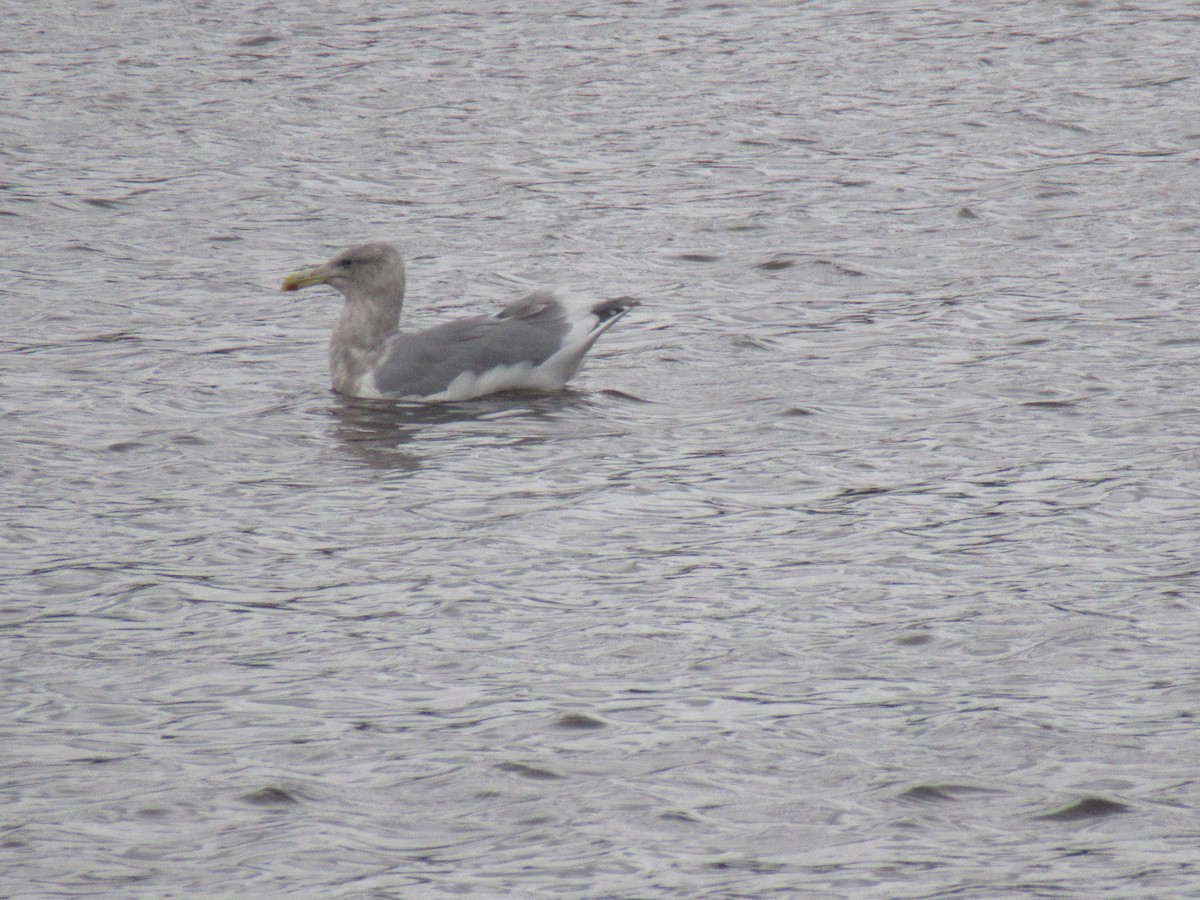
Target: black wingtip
column 608, row 309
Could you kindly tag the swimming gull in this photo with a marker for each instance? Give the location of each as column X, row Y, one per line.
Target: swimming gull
column 535, row 343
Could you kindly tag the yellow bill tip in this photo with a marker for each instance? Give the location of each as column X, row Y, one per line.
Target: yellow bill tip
column 304, row 279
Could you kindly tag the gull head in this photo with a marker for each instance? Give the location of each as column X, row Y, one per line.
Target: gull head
column 367, row 272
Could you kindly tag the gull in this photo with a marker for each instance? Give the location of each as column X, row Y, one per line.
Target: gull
column 535, row 343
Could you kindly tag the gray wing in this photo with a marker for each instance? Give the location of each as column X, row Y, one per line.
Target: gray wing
column 426, row 362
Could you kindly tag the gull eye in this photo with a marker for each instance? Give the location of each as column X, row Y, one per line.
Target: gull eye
column 346, row 263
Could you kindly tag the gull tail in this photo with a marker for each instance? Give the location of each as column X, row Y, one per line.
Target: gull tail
column 608, row 311
column 594, row 321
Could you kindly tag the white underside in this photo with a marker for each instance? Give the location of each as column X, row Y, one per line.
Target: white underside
column 365, row 388
column 519, row 376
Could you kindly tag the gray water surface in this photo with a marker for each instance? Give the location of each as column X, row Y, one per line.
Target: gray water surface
column 861, row 561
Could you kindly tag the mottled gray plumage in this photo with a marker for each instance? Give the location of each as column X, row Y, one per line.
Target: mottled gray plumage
column 536, row 342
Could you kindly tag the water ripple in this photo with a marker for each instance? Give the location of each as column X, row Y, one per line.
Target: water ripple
column 861, row 561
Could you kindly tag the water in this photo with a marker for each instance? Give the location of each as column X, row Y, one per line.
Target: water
column 860, row 561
